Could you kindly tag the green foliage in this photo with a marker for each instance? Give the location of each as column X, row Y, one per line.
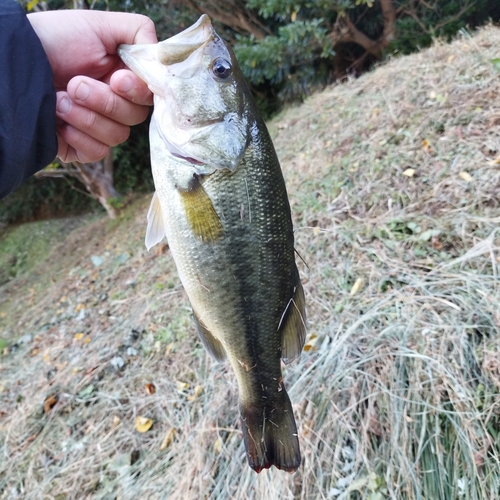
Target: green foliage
column 45, row 198
column 421, row 22
column 291, row 61
column 300, row 53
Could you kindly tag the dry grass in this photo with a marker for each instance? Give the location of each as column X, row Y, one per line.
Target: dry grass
column 399, row 398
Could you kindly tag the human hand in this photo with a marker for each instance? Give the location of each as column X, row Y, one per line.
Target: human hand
column 97, row 99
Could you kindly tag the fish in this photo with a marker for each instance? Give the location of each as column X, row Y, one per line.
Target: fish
column 220, row 200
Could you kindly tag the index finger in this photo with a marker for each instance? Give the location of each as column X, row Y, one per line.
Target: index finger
column 122, row 27
column 99, row 97
column 127, row 84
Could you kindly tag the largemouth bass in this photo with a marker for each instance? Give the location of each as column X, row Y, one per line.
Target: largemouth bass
column 222, row 204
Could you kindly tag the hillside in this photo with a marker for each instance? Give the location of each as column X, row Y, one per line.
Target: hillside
column 394, row 182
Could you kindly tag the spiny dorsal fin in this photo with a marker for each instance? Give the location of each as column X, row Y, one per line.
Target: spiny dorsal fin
column 293, row 325
column 211, row 344
column 200, row 212
column 156, row 229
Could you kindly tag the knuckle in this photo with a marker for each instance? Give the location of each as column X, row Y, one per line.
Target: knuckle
column 110, row 105
column 90, row 120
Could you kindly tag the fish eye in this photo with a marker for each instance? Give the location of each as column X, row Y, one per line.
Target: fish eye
column 222, row 68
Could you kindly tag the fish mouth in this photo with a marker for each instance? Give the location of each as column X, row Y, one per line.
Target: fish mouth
column 143, row 59
column 178, row 48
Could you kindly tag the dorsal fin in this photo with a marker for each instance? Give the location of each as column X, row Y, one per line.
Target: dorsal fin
column 155, row 231
column 293, row 325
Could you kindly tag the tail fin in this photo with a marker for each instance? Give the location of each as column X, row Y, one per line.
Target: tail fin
column 270, row 435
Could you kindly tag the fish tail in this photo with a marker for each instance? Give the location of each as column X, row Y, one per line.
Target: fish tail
column 270, row 435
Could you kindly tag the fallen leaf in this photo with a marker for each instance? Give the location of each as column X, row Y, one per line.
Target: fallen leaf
column 450, row 58
column 181, row 386
column 86, row 340
column 150, row 389
column 496, row 161
column 426, row 145
column 168, row 439
column 310, row 342
column 79, row 307
column 116, row 420
column 218, row 445
column 293, row 17
column 49, row 403
column 143, row 424
column 79, row 336
column 436, row 244
column 358, row 285
column 409, row 172
column 197, row 391
column 465, row 176
column 34, row 352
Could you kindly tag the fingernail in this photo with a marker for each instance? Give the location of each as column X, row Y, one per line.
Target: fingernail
column 63, row 105
column 82, row 91
column 125, row 84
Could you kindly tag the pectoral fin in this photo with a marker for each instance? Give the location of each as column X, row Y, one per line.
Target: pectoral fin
column 155, row 231
column 293, row 325
column 211, row 344
column 200, row 212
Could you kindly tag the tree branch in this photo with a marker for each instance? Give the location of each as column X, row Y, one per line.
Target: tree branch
column 230, row 14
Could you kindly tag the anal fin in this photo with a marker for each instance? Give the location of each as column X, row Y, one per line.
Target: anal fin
column 200, row 212
column 293, row 325
column 211, row 344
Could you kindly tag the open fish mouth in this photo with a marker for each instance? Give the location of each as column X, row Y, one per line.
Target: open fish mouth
column 181, row 46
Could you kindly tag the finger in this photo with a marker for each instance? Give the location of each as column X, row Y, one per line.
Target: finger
column 127, row 84
column 74, row 145
column 127, row 28
column 99, row 97
column 89, row 122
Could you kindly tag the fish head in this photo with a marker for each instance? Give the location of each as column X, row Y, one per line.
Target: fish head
column 199, row 95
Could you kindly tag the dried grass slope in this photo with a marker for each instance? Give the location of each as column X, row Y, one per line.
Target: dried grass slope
column 394, row 181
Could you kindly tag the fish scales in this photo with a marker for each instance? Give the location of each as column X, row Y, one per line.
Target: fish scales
column 228, row 224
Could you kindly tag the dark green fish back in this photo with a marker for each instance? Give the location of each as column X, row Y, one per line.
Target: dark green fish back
column 264, row 299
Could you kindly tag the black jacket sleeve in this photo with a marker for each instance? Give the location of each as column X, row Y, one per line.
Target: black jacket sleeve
column 28, row 139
